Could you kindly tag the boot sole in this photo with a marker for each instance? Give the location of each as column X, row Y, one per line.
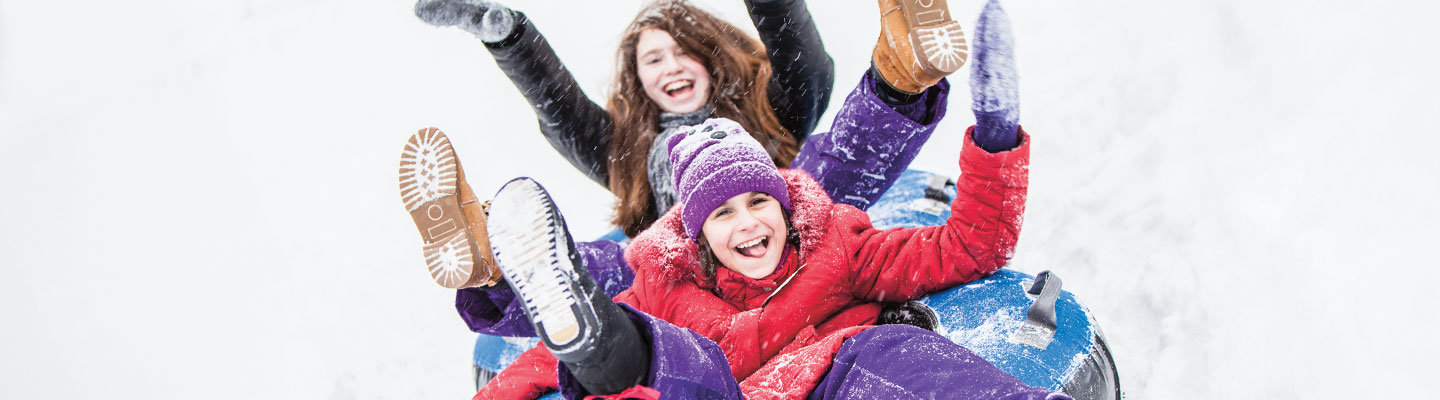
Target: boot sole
column 939, row 41
column 429, row 189
column 533, row 252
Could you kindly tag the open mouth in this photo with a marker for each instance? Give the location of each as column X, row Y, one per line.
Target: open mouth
column 680, row 88
column 753, row 248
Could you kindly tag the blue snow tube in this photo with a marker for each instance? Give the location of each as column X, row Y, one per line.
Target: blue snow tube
column 1046, row 338
column 1031, row 329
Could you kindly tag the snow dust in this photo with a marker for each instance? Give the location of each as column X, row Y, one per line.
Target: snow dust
column 200, row 196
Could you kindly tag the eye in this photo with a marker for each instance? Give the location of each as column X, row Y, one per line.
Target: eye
column 721, row 212
column 758, row 200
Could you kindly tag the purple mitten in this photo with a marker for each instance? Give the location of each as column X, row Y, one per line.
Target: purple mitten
column 993, row 83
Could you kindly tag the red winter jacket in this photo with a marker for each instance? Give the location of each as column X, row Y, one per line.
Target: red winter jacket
column 782, row 349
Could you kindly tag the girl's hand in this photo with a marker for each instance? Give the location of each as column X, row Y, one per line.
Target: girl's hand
column 489, row 21
column 994, row 85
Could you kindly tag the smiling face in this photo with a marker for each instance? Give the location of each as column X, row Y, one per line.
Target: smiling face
column 747, row 234
column 674, row 80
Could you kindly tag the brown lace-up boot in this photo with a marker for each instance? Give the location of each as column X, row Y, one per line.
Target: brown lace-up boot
column 450, row 218
column 919, row 44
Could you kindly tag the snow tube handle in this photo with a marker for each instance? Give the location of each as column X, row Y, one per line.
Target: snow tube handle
column 1040, row 321
column 936, row 190
column 1047, row 285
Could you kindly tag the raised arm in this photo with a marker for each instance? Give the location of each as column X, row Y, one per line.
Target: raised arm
column 577, row 127
column 985, row 217
column 573, row 124
column 979, row 238
column 804, row 73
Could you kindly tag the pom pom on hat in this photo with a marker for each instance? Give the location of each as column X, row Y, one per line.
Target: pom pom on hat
column 717, row 160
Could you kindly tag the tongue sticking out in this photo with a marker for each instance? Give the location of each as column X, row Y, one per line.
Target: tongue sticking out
column 754, row 250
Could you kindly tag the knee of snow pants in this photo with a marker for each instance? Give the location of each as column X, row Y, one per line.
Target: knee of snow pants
column 605, row 261
column 870, row 143
column 683, row 365
column 498, row 312
column 902, row 361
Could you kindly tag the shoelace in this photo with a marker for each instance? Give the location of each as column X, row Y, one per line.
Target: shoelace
column 636, row 392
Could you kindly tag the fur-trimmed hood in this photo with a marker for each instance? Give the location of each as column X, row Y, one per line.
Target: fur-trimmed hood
column 664, row 252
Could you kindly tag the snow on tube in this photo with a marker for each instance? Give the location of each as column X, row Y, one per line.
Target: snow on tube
column 992, row 316
column 1046, row 338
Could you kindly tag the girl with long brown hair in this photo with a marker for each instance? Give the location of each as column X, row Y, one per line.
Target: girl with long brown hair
column 780, row 87
column 679, row 66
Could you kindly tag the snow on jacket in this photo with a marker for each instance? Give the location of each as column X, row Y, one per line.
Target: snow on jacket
column 867, row 148
column 783, row 348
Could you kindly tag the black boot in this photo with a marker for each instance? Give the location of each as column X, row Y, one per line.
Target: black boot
column 580, row 325
column 889, row 94
column 912, row 313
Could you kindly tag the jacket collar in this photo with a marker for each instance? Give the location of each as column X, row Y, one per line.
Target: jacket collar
column 748, row 293
column 675, row 120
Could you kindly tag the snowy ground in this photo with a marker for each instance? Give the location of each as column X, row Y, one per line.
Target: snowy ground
column 200, row 199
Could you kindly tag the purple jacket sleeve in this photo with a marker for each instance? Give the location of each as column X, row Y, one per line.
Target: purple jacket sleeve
column 870, row 143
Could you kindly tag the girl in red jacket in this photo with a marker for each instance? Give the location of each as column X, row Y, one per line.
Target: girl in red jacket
column 757, row 285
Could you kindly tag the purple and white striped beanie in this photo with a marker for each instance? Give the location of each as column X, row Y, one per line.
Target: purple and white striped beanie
column 714, row 161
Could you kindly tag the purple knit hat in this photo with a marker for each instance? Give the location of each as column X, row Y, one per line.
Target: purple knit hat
column 716, row 160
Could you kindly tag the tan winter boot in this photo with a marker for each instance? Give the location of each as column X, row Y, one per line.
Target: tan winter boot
column 450, row 218
column 919, row 44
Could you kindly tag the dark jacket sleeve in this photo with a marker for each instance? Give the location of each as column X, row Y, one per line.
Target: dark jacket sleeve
column 577, row 127
column 804, row 73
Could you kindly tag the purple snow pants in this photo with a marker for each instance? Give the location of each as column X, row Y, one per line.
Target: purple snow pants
column 868, row 146
column 884, row 362
column 498, row 312
column 683, row 364
column 905, row 362
column 870, row 143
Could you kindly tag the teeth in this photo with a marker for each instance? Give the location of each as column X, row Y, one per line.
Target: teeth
column 677, row 85
column 751, row 243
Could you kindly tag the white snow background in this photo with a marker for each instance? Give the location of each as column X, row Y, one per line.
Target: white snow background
column 199, row 197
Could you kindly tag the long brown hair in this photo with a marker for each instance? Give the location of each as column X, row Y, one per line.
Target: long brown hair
column 740, row 77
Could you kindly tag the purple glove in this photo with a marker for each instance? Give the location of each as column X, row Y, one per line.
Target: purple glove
column 993, row 83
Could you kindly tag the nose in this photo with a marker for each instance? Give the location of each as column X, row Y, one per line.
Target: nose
column 670, row 64
column 745, row 221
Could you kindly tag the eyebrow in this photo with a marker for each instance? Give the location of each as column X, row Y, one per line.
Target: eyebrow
column 654, row 50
